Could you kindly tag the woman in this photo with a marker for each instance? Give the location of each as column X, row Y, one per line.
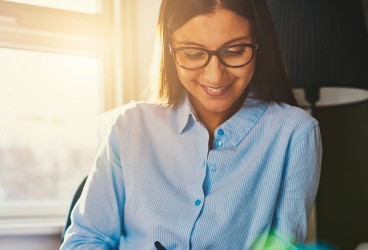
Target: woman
column 225, row 160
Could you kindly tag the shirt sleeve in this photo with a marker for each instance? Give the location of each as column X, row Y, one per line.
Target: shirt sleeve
column 97, row 218
column 298, row 191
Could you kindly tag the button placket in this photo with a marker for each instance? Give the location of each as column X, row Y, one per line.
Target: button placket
column 198, row 200
column 213, row 168
column 220, row 132
column 218, row 142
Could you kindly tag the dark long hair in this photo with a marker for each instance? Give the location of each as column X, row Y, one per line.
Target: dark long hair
column 270, row 81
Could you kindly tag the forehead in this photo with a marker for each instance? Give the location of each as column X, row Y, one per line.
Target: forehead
column 214, row 29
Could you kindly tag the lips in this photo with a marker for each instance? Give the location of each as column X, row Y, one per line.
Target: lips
column 216, row 92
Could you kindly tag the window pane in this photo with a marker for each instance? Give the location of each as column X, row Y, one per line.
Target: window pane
column 48, row 123
column 85, row 6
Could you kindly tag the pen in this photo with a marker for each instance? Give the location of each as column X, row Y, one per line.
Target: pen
column 159, row 246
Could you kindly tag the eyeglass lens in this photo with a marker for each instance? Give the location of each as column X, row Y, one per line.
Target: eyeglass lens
column 234, row 56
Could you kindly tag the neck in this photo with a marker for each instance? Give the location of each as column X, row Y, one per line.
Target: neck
column 212, row 120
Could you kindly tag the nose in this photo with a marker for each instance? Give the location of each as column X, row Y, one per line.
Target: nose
column 214, row 71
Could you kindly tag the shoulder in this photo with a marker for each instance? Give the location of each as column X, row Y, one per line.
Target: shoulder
column 125, row 117
column 134, row 109
column 294, row 125
column 287, row 115
column 288, row 123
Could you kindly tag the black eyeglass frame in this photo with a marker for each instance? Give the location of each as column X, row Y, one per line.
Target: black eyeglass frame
column 217, row 53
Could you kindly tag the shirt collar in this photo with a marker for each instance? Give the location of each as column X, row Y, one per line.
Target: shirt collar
column 235, row 128
column 186, row 115
column 242, row 122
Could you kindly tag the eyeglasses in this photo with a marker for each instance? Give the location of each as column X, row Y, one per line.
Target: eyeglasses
column 233, row 56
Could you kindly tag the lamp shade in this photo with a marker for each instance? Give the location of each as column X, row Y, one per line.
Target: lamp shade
column 325, row 43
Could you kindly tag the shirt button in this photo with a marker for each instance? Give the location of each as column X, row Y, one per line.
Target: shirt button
column 204, row 164
column 218, row 143
column 213, row 169
column 197, row 202
column 221, row 132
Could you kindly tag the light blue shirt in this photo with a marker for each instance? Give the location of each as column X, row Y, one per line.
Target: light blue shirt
column 154, row 179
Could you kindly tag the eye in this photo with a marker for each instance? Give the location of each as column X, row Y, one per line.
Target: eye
column 194, row 54
column 233, row 51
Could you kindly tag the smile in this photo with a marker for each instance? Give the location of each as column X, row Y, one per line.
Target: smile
column 216, row 91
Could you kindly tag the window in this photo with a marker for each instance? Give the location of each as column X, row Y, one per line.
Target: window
column 62, row 64
column 86, row 6
column 49, row 108
column 58, row 73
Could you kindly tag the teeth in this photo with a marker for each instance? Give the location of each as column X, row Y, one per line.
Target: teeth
column 215, row 90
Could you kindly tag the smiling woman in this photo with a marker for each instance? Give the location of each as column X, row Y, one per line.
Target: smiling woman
column 216, row 94
column 223, row 159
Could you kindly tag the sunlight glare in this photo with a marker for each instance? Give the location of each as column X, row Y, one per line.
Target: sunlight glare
column 54, row 93
column 85, row 6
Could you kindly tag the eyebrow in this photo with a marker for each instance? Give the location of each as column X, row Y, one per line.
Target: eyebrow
column 190, row 43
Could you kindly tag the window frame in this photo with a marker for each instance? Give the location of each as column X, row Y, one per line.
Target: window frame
column 24, row 28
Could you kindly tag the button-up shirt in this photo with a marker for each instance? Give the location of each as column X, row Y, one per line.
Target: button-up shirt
column 155, row 179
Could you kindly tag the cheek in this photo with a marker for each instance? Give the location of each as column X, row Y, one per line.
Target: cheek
column 248, row 72
column 185, row 76
column 188, row 76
